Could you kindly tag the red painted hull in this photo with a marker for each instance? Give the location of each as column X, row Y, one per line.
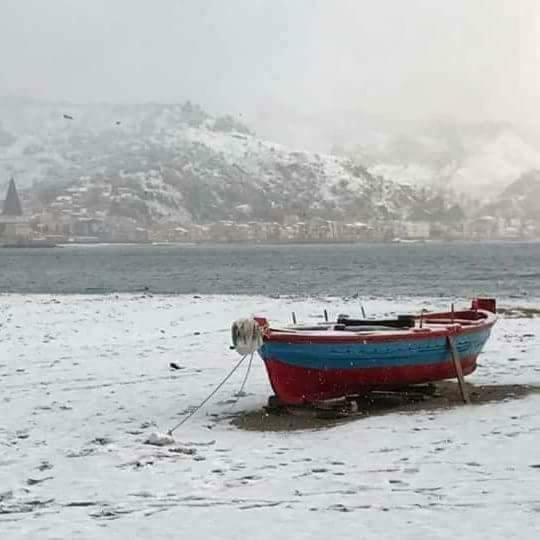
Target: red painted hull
column 299, row 385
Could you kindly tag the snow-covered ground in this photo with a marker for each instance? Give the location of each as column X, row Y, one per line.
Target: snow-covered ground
column 85, row 379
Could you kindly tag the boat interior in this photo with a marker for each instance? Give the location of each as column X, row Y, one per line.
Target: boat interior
column 401, row 323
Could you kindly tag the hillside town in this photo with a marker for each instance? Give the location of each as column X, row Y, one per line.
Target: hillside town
column 65, row 219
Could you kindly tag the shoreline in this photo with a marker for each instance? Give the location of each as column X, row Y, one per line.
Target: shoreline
column 250, row 243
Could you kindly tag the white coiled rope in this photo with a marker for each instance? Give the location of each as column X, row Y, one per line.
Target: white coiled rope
column 247, row 336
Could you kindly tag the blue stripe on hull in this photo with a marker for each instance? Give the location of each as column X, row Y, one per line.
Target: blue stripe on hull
column 358, row 355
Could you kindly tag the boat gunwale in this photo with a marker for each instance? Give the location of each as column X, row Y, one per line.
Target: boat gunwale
column 288, row 335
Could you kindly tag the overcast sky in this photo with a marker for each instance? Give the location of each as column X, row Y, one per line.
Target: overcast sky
column 469, row 59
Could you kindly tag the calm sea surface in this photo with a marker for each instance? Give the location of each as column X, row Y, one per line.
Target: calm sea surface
column 432, row 269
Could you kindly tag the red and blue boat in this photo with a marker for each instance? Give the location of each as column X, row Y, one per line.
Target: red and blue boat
column 331, row 360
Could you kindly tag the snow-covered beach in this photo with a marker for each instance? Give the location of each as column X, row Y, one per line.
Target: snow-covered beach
column 85, row 379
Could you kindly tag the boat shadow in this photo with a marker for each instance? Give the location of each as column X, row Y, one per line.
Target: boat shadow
column 444, row 395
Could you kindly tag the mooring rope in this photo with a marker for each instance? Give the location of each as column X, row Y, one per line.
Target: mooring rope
column 205, row 400
column 240, row 392
column 247, row 339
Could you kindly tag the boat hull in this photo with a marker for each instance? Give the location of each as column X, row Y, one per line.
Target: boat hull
column 305, row 372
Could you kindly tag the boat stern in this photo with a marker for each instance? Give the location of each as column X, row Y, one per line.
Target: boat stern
column 484, row 304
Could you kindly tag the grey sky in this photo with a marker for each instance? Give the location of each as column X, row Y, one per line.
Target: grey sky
column 470, row 59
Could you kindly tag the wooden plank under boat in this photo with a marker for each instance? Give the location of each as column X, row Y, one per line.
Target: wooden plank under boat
column 309, row 364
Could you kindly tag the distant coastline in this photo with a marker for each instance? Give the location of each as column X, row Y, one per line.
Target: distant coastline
column 246, row 243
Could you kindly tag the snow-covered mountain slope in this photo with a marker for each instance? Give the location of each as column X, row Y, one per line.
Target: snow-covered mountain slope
column 176, row 162
column 519, row 200
column 476, row 161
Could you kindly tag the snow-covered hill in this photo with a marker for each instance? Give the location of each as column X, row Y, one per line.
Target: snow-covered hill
column 477, row 161
column 176, row 162
column 519, row 200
